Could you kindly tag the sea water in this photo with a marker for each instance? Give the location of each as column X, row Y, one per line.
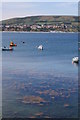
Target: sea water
column 48, row 74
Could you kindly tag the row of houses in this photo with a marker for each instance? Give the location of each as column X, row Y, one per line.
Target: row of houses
column 35, row 27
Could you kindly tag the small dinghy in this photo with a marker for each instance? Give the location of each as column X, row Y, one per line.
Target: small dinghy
column 40, row 47
column 7, row 49
column 75, row 60
column 12, row 44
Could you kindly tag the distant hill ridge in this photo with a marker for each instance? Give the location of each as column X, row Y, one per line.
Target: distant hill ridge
column 41, row 20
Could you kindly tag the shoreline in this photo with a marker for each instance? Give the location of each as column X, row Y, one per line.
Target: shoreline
column 34, row 32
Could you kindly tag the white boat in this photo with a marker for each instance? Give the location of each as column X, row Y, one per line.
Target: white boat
column 75, row 60
column 7, row 49
column 40, row 47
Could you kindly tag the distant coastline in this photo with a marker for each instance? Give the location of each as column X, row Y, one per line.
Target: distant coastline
column 40, row 24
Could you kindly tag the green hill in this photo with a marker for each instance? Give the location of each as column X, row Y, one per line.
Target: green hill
column 41, row 20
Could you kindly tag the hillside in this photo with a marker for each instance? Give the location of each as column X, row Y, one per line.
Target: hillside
column 41, row 20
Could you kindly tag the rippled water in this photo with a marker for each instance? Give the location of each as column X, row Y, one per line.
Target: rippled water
column 48, row 74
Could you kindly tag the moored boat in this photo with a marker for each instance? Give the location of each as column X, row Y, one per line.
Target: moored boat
column 7, row 49
column 12, row 44
column 75, row 60
column 40, row 47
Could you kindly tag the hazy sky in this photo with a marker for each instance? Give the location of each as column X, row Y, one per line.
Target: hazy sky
column 39, row 0
column 22, row 9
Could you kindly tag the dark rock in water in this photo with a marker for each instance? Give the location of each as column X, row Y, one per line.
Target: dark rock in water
column 66, row 105
column 32, row 100
column 39, row 114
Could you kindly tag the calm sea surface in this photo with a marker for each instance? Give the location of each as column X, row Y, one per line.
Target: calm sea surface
column 40, row 84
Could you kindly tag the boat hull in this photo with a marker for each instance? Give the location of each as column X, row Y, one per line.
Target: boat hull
column 13, row 45
column 7, row 49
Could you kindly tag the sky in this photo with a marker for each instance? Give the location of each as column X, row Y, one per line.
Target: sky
column 40, row 0
column 23, row 9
